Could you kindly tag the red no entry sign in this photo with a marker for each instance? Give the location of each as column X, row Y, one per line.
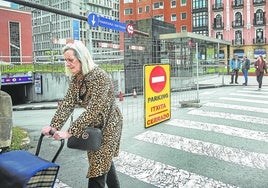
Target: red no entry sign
column 158, row 79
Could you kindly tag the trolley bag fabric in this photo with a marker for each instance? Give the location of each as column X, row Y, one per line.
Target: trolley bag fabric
column 21, row 169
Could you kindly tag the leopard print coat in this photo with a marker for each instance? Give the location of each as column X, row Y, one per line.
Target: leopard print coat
column 94, row 92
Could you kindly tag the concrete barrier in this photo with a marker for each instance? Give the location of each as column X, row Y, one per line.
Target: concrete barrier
column 6, row 122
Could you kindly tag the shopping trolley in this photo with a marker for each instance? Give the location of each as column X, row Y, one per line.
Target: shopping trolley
column 21, row 169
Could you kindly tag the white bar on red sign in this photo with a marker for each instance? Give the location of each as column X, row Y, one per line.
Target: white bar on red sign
column 158, row 79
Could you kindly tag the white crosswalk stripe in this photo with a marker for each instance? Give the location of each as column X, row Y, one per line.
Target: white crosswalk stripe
column 243, row 100
column 227, row 130
column 228, row 154
column 162, row 175
column 237, row 107
column 230, row 116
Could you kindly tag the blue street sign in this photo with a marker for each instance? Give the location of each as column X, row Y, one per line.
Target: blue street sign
column 93, row 20
column 112, row 24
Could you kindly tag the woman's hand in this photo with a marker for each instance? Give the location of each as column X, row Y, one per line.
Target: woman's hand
column 59, row 135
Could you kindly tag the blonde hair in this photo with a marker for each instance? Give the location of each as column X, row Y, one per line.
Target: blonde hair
column 82, row 54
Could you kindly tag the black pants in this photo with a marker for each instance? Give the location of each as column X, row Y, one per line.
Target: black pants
column 110, row 178
column 234, row 74
column 259, row 79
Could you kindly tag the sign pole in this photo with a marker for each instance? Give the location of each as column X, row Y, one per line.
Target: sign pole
column 197, row 71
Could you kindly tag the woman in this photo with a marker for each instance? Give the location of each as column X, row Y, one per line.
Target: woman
column 91, row 88
column 260, row 66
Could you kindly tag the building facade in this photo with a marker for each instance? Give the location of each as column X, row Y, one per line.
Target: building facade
column 16, row 36
column 243, row 22
column 175, row 12
column 52, row 31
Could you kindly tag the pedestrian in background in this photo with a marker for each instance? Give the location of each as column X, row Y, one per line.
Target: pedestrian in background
column 235, row 65
column 261, row 67
column 90, row 88
column 245, row 68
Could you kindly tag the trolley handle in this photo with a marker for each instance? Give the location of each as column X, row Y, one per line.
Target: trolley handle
column 51, row 132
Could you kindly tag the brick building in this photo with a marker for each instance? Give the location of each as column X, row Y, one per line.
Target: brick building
column 15, row 36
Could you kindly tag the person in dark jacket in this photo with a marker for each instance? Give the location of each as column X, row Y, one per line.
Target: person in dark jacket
column 245, row 68
column 261, row 67
column 90, row 88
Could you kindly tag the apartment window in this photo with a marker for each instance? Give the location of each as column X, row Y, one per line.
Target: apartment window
column 139, row 10
column 259, row 35
column 147, row 9
column 197, row 4
column 128, row 11
column 259, row 16
column 238, row 37
column 159, row 17
column 200, row 19
column 159, row 5
column 173, row 17
column 238, row 19
column 128, row 1
column 183, row 16
column 183, row 2
column 219, row 35
column 14, row 35
column 183, row 28
column 173, row 3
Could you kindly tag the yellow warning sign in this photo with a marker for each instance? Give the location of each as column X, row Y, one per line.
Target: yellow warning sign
column 156, row 93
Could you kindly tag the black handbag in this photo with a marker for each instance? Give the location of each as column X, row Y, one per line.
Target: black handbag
column 90, row 139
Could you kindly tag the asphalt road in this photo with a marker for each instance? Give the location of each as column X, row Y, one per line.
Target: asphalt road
column 223, row 143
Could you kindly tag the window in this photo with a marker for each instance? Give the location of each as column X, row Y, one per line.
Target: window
column 139, row 10
column 219, row 35
column 128, row 1
column 200, row 19
column 14, row 35
column 183, row 16
column 147, row 9
column 128, row 11
column 197, row 4
column 259, row 35
column 183, row 2
column 173, row 4
column 259, row 16
column 238, row 37
column 183, row 28
column 159, row 5
column 173, row 17
column 159, row 17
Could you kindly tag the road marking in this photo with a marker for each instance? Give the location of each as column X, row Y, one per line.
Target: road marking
column 244, row 100
column 251, row 91
column 160, row 174
column 249, row 95
column 237, row 107
column 227, row 130
column 228, row 154
column 244, row 118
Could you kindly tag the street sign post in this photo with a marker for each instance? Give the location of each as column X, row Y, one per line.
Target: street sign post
column 156, row 94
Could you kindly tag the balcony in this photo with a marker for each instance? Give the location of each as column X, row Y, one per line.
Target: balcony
column 259, row 21
column 259, row 2
column 237, row 4
column 238, row 42
column 238, row 24
column 218, row 7
column 217, row 26
column 259, row 41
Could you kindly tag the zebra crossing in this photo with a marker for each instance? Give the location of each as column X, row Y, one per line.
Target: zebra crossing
column 232, row 151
